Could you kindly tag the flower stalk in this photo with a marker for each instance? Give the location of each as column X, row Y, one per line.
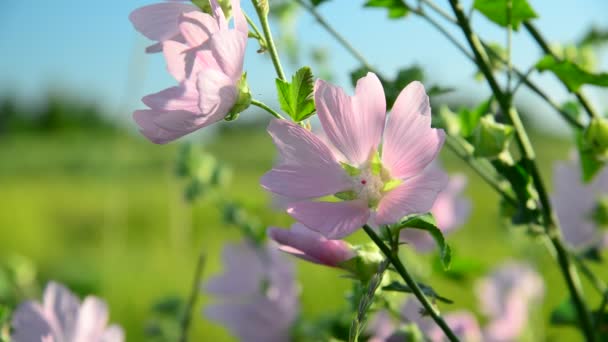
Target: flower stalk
column 272, row 49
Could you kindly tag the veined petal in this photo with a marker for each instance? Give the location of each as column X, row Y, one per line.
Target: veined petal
column 334, row 220
column 218, row 14
column 197, row 27
column 240, row 23
column 61, row 307
column 217, row 93
column 228, row 49
column 354, row 125
column 161, row 127
column 415, row 195
column 183, row 97
column 410, row 143
column 92, row 320
column 159, row 21
column 307, row 168
column 180, row 59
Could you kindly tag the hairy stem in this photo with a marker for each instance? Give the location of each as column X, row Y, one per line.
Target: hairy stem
column 547, row 50
column 185, row 322
column 272, row 49
column 266, row 108
column 394, row 259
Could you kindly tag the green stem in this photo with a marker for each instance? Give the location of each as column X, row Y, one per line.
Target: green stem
column 274, row 55
column 551, row 223
column 185, row 322
column 351, row 49
column 547, row 50
column 596, row 282
column 509, row 61
column 255, row 28
column 267, row 109
column 430, row 309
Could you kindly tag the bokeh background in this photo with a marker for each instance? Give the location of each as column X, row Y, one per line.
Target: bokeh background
column 87, row 201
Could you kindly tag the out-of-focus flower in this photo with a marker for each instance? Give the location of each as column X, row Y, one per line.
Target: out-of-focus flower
column 505, row 298
column 208, row 63
column 376, row 188
column 312, row 246
column 450, row 210
column 582, row 209
column 258, row 293
column 62, row 318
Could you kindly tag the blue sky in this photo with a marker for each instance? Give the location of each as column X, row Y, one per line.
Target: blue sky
column 89, row 49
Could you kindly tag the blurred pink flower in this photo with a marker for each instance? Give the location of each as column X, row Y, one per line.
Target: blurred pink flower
column 576, row 203
column 208, row 63
column 258, row 293
column 312, row 246
column 450, row 211
column 62, row 318
column 506, row 297
column 380, row 189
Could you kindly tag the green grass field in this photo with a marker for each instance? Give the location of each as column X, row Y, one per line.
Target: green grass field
column 105, row 214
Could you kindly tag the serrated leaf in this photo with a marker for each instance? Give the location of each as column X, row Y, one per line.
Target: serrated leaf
column 496, row 11
column 396, row 8
column 296, row 98
column 571, row 74
column 426, row 289
column 427, row 222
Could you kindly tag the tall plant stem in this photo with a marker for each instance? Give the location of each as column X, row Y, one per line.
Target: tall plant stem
column 185, row 322
column 272, row 49
column 351, row 49
column 547, row 50
column 551, row 223
column 394, row 259
column 265, row 107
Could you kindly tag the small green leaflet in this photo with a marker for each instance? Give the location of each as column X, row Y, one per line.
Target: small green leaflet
column 296, row 98
column 396, row 8
column 427, row 222
column 426, row 289
column 496, row 11
column 571, row 74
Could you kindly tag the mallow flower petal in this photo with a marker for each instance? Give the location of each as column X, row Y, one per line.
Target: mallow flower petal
column 182, row 97
column 197, row 27
column 62, row 308
column 353, row 124
column 218, row 14
column 161, row 127
column 113, row 333
column 92, row 320
column 217, row 93
column 334, row 220
column 29, row 323
column 159, row 21
column 307, row 168
column 240, row 22
column 228, row 49
column 415, row 195
column 410, row 143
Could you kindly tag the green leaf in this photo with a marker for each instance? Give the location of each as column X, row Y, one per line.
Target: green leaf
column 491, row 138
column 296, row 98
column 595, row 36
column 571, row 74
column 426, row 289
column 427, row 222
column 169, row 306
column 469, row 119
column 527, row 210
column 590, row 164
column 564, row 314
column 396, row 8
column 496, row 11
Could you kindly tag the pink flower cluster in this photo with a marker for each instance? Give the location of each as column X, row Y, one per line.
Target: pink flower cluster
column 204, row 55
column 62, row 318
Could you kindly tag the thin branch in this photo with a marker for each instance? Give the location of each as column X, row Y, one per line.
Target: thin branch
column 265, row 107
column 185, row 322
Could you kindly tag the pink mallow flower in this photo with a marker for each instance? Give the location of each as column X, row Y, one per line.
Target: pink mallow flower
column 62, row 318
column 450, row 210
column 258, row 293
column 380, row 188
column 582, row 209
column 208, row 64
column 312, row 246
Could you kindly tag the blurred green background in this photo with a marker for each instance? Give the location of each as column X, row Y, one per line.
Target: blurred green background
column 102, row 210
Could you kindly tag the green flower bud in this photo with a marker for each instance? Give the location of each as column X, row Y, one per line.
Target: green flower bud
column 365, row 264
column 491, row 138
column 243, row 99
column 595, row 138
column 205, row 6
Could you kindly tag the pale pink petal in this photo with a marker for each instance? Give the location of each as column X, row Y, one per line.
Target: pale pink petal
column 307, row 168
column 312, row 246
column 29, row 323
column 462, row 323
column 410, row 143
column 197, row 27
column 61, row 307
column 92, row 320
column 113, row 333
column 217, row 94
column 218, row 14
column 240, row 23
column 334, row 220
column 451, row 209
column 161, row 127
column 183, row 61
column 182, row 97
column 159, row 22
column 415, row 195
column 353, row 125
column 228, row 49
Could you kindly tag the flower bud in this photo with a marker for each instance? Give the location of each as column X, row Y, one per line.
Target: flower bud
column 243, row 99
column 595, row 138
column 366, row 262
column 491, row 138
